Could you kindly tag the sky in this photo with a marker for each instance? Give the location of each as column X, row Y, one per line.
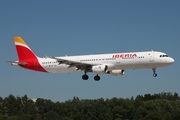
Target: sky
column 68, row 27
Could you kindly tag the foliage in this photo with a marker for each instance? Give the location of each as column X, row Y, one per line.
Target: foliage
column 162, row 106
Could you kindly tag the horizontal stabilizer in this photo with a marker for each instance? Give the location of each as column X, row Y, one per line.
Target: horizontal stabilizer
column 16, row 63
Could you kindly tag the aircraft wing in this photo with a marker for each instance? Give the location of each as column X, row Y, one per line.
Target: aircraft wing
column 71, row 63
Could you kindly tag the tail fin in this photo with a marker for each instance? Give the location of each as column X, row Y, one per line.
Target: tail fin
column 23, row 51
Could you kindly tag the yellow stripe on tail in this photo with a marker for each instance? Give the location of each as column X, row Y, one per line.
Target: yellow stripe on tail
column 19, row 40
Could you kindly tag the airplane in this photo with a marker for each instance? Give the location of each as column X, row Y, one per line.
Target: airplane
column 114, row 64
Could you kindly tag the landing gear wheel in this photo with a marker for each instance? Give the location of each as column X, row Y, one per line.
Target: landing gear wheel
column 85, row 77
column 154, row 72
column 96, row 78
column 155, row 75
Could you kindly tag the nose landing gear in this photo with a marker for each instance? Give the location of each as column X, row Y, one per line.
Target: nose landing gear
column 154, row 72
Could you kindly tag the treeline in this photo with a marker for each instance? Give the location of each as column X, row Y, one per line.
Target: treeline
column 162, row 106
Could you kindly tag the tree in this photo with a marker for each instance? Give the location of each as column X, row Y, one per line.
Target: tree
column 3, row 117
column 51, row 115
column 164, row 106
column 11, row 106
column 25, row 117
column 1, row 107
column 13, row 118
column 28, row 106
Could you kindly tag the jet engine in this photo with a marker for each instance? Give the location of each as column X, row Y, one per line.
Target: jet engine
column 117, row 72
column 99, row 69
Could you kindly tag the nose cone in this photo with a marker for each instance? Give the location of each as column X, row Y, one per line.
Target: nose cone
column 171, row 60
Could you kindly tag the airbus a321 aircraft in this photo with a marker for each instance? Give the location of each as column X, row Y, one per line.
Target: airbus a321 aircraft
column 114, row 64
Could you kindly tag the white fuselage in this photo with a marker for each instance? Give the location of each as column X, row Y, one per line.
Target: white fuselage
column 123, row 61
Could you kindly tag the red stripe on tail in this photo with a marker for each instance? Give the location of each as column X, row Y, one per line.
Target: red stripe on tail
column 25, row 54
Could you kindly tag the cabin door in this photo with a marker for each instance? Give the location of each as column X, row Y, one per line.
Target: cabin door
column 151, row 56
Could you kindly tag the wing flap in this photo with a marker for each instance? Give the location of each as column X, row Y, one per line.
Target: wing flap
column 79, row 65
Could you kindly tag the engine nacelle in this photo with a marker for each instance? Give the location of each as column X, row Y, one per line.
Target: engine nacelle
column 117, row 72
column 99, row 69
column 14, row 64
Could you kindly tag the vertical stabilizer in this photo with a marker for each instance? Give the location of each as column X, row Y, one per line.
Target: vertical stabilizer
column 23, row 51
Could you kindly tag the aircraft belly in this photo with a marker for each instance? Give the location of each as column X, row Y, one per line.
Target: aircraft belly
column 133, row 65
column 60, row 69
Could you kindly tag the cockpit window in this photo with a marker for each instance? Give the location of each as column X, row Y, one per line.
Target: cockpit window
column 163, row 55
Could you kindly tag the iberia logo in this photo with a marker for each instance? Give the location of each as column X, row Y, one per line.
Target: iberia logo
column 130, row 55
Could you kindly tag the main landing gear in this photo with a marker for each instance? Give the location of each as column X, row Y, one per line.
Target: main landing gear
column 96, row 78
column 85, row 77
column 154, row 72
